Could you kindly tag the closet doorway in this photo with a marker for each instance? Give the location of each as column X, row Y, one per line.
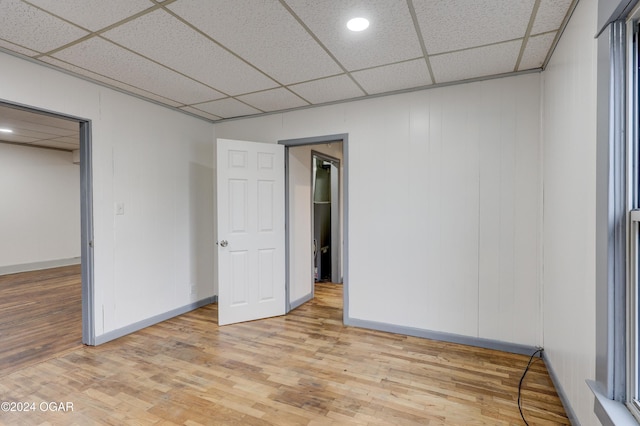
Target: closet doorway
column 325, row 217
column 325, row 156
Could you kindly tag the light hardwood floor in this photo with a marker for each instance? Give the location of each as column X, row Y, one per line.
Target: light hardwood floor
column 305, row 368
column 40, row 315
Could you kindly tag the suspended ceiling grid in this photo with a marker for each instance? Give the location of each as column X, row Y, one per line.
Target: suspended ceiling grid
column 221, row 59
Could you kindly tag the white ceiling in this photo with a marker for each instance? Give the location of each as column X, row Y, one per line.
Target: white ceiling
column 220, row 59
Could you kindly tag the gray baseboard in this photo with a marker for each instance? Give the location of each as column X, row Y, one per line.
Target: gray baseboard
column 300, row 301
column 563, row 396
column 112, row 335
column 37, row 266
column 444, row 337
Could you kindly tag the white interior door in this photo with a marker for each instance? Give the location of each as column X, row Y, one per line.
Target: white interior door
column 251, row 232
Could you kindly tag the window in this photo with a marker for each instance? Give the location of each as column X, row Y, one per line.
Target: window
column 632, row 375
column 617, row 379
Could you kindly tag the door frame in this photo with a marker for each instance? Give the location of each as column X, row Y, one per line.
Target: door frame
column 86, row 215
column 315, row 140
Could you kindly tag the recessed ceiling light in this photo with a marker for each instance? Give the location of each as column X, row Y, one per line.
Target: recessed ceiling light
column 6, row 130
column 358, row 24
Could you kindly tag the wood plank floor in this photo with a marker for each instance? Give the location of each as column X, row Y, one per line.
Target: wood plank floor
column 305, row 368
column 40, row 315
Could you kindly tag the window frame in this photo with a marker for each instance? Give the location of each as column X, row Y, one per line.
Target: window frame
column 632, row 373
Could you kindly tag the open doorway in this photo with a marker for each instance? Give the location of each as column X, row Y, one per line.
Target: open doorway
column 300, row 183
column 45, row 254
column 325, row 216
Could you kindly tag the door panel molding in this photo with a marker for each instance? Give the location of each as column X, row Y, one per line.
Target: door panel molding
column 251, row 230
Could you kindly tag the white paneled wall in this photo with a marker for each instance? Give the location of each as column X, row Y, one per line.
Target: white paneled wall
column 444, row 204
column 569, row 126
column 158, row 255
column 40, row 199
column 300, row 239
column 164, row 241
column 509, row 218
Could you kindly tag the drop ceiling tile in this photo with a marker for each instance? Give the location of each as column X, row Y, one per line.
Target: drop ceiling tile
column 391, row 36
column 21, row 130
column 63, row 126
column 49, row 124
column 227, row 108
column 200, row 113
column 93, row 15
column 388, row 78
column 328, row 89
column 58, row 144
column 535, row 52
column 478, row 62
column 448, row 25
column 6, row 45
column 109, row 81
column 34, row 29
column 550, row 15
column 165, row 39
column 273, row 100
column 44, row 123
column 12, row 137
column 33, row 129
column 69, row 140
column 263, row 33
column 103, row 57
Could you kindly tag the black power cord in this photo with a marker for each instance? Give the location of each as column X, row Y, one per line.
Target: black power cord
column 539, row 351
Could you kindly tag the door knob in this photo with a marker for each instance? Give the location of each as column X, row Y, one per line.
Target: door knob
column 224, row 243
